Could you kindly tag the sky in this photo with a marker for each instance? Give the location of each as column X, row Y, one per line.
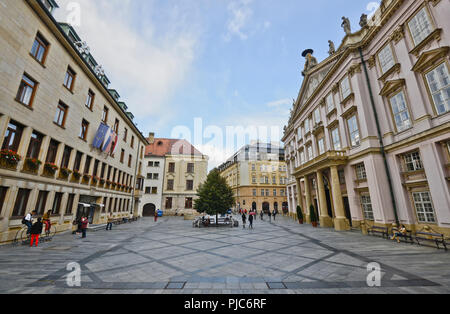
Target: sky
column 197, row 69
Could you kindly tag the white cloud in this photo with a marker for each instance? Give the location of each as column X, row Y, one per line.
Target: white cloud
column 241, row 13
column 145, row 64
column 278, row 103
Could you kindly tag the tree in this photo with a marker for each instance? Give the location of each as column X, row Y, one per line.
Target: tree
column 215, row 196
column 300, row 215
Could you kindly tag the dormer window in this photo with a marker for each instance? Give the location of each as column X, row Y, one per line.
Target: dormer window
column 50, row 5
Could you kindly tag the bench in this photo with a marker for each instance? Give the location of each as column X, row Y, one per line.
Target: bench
column 437, row 238
column 404, row 237
column 384, row 231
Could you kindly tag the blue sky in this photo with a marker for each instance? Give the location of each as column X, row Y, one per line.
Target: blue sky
column 229, row 62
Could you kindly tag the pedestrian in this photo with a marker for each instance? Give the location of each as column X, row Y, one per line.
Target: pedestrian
column 110, row 222
column 274, row 215
column 28, row 221
column 262, row 215
column 270, row 216
column 47, row 222
column 84, row 226
column 35, row 231
column 156, row 215
column 250, row 221
column 244, row 220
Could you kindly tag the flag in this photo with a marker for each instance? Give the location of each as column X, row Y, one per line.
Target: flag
column 100, row 136
column 108, row 140
column 115, row 139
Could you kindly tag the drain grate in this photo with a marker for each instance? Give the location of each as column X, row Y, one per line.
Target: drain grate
column 276, row 285
column 175, row 285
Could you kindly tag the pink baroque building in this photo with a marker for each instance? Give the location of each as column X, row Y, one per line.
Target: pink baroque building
column 368, row 141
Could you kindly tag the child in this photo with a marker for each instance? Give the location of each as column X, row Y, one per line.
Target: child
column 36, row 230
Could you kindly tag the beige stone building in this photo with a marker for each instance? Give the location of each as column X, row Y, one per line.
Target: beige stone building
column 368, row 141
column 257, row 173
column 56, row 111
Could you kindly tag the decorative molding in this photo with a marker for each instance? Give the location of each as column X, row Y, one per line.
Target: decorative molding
column 347, row 99
column 394, row 69
column 372, row 62
column 398, row 34
column 435, row 35
column 434, row 2
column 392, row 86
column 428, row 59
column 356, row 68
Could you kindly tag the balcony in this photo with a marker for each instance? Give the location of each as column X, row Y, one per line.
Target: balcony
column 328, row 159
column 138, row 193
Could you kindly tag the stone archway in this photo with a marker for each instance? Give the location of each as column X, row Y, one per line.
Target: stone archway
column 149, row 210
column 266, row 207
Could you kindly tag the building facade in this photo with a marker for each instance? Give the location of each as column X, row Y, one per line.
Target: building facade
column 257, row 174
column 368, row 140
column 55, row 110
column 180, row 169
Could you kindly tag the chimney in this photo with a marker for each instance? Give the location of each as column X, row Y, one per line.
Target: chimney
column 151, row 138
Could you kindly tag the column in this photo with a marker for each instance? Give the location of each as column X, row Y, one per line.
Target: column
column 43, row 152
column 308, row 200
column 340, row 222
column 325, row 220
column 24, row 143
column 4, row 120
column 299, row 197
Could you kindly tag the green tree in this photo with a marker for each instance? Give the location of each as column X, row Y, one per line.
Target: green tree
column 215, row 196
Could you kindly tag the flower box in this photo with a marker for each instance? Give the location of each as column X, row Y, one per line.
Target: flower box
column 86, row 179
column 50, row 169
column 64, row 173
column 9, row 159
column 76, row 175
column 32, row 165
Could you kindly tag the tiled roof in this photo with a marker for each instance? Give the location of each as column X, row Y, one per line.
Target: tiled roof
column 162, row 147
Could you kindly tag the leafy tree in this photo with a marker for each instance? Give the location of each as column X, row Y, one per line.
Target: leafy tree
column 215, row 196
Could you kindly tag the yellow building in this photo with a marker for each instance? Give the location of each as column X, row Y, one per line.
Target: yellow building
column 257, row 174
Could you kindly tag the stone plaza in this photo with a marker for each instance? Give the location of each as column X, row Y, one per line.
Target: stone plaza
column 169, row 256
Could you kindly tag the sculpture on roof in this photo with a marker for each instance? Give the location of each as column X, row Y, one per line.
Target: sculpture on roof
column 346, row 25
column 332, row 50
column 311, row 61
column 363, row 21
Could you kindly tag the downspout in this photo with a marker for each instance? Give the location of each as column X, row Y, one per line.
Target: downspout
column 380, row 138
column 135, row 179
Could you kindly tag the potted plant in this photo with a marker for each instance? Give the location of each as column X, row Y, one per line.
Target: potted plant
column 102, row 181
column 76, row 175
column 32, row 164
column 95, row 179
column 50, row 169
column 86, row 178
column 300, row 215
column 312, row 213
column 64, row 173
column 9, row 159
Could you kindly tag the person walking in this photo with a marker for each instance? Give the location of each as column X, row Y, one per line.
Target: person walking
column 270, row 216
column 28, row 221
column 262, row 215
column 110, row 222
column 156, row 215
column 250, row 221
column 47, row 222
column 35, row 231
column 244, row 220
column 274, row 215
column 84, row 226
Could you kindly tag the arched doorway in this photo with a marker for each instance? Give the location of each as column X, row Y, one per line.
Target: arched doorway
column 266, row 207
column 254, row 206
column 149, row 210
column 285, row 207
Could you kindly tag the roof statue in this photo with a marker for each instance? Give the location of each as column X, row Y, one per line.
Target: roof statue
column 311, row 61
column 346, row 25
column 363, row 21
column 332, row 50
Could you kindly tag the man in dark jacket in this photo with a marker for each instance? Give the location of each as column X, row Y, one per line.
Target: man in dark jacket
column 36, row 230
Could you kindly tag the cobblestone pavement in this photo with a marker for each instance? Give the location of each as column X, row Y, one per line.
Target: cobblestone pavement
column 170, row 256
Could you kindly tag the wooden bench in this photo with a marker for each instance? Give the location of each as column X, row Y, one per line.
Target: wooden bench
column 384, row 231
column 403, row 237
column 437, row 238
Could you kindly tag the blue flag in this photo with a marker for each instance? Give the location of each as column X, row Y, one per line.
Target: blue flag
column 100, row 136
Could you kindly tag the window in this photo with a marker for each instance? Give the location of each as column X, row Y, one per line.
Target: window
column 169, row 203
column 130, row 160
column 105, row 115
column 41, row 202
column 154, row 190
column 354, row 131
column 3, row 191
column 125, row 135
column 386, row 58
column 190, row 168
column 147, row 190
column 189, row 185
column 424, row 207
column 400, row 111
column 116, row 126
column 321, row 145
column 66, row 157
column 274, row 192
column 132, row 142
column 253, row 179
column 361, row 172
column 299, row 134
column 282, row 192
column 366, row 204
column 307, row 130
column 87, row 165
column 254, row 192
column 188, row 203
column 439, row 83
column 12, row 137
column 170, row 184
column 253, row 167
column 84, row 129
column 70, row 202
column 171, row 167
column 57, row 204
column 69, row 80
column 77, row 164
column 341, row 174
column 336, row 139
column 345, row 88
column 39, row 49
column 267, row 193
column 20, row 206
column 27, row 90
column 413, row 162
column 52, row 151
column 420, row 26
column 155, row 176
column 263, row 192
column 61, row 114
column 157, row 164
column 330, row 103
column 96, row 164
column 90, row 100
column 310, row 152
column 122, row 155
column 35, row 145
column 302, row 157
column 317, row 118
